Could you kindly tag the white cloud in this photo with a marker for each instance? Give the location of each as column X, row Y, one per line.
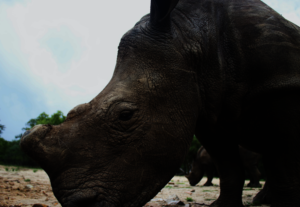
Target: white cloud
column 289, row 9
column 86, row 34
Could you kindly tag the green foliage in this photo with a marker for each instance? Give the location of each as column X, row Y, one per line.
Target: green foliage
column 18, row 136
column 27, row 180
column 189, row 199
column 11, row 154
column 191, row 155
column 2, row 127
column 55, row 119
column 35, row 170
column 12, row 169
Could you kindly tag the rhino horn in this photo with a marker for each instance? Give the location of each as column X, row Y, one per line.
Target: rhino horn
column 160, row 12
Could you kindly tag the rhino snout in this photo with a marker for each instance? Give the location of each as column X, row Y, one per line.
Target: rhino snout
column 28, row 132
column 33, row 136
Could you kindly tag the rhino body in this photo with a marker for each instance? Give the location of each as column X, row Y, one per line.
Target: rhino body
column 204, row 164
column 227, row 71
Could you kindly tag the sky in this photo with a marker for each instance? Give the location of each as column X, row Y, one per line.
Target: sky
column 57, row 54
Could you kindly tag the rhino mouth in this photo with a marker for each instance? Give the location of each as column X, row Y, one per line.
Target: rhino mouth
column 90, row 198
column 89, row 194
column 33, row 142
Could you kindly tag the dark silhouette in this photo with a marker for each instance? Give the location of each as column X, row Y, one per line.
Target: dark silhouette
column 203, row 163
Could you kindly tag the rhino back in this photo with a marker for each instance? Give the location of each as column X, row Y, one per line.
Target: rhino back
column 270, row 46
column 239, row 49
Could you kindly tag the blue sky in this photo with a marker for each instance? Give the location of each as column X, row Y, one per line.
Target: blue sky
column 57, row 54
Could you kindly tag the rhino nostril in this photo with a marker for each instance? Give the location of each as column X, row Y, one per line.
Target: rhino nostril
column 26, row 133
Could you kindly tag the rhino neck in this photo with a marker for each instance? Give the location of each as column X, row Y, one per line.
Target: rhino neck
column 208, row 42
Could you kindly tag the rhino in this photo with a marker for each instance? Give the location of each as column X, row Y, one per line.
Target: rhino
column 203, row 163
column 227, row 71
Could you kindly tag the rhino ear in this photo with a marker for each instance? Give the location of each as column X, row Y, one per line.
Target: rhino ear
column 160, row 12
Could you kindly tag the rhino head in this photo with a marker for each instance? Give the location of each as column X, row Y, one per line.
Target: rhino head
column 123, row 146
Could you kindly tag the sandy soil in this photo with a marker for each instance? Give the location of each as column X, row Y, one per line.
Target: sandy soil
column 201, row 195
column 25, row 187
column 28, row 187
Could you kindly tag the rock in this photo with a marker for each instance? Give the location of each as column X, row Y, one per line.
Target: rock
column 171, row 183
column 193, row 190
column 15, row 187
column 157, row 199
column 173, row 197
column 175, row 185
column 174, row 200
column 21, row 187
column 29, row 187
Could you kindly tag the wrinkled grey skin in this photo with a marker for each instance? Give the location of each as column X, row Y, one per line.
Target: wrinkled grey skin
column 225, row 70
column 204, row 164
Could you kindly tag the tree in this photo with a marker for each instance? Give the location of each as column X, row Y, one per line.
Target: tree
column 2, row 127
column 55, row 119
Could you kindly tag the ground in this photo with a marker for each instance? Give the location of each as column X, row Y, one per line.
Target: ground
column 23, row 187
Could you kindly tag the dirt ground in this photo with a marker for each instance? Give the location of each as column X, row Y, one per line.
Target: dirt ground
column 20, row 187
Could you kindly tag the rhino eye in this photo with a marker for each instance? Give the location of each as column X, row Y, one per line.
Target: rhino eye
column 126, row 115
